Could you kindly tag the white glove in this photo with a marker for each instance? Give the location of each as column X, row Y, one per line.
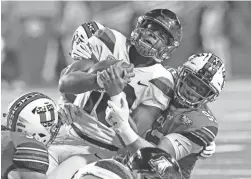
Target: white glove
column 209, row 151
column 117, row 115
column 81, row 49
column 117, row 112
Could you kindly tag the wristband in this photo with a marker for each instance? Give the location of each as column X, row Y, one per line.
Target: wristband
column 128, row 135
column 117, row 99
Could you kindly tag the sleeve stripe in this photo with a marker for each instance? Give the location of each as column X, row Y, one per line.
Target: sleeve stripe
column 34, row 149
column 108, row 38
column 213, row 129
column 32, row 157
column 208, row 131
column 28, row 152
column 199, row 137
column 205, row 137
column 195, row 138
column 30, row 160
column 165, row 85
column 87, row 30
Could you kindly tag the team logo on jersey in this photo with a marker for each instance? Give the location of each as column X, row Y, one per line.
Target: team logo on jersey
column 160, row 165
column 186, row 121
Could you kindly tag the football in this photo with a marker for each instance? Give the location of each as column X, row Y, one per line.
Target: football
column 102, row 65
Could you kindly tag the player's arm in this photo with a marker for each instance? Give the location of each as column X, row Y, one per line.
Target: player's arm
column 184, row 143
column 7, row 164
column 76, row 79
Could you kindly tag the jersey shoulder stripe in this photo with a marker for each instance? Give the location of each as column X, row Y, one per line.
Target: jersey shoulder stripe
column 107, row 37
column 164, row 85
column 203, row 136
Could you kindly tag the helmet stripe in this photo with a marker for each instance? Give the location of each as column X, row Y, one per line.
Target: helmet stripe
column 94, row 25
column 87, row 30
column 52, row 113
column 42, row 117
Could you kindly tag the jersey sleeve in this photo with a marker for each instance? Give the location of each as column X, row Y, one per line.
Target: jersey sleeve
column 107, row 42
column 6, row 160
column 29, row 153
column 159, row 91
column 203, row 129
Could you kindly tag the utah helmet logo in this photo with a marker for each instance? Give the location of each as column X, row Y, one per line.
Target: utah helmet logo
column 160, row 165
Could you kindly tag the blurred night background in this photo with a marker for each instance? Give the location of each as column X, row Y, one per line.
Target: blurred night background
column 35, row 46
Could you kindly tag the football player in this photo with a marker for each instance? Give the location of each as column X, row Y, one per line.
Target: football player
column 34, row 124
column 157, row 34
column 155, row 37
column 149, row 162
column 188, row 126
column 35, row 127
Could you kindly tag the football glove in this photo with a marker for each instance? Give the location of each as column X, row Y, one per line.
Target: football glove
column 117, row 112
column 208, row 151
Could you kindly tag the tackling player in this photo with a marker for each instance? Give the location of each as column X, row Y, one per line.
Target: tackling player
column 155, row 37
column 188, row 126
column 33, row 124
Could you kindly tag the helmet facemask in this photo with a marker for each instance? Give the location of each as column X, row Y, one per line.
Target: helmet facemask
column 151, row 39
column 193, row 91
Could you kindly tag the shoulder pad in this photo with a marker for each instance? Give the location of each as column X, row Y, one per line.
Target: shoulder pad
column 107, row 37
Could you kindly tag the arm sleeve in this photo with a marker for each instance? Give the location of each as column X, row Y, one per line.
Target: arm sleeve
column 6, row 160
column 182, row 146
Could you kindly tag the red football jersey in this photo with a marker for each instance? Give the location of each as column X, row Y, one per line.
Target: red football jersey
column 199, row 126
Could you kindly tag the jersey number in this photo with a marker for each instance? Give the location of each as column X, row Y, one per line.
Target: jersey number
column 153, row 136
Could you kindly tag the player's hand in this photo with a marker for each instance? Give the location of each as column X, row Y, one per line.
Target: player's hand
column 112, row 81
column 69, row 113
column 208, row 152
column 81, row 49
column 128, row 72
column 117, row 115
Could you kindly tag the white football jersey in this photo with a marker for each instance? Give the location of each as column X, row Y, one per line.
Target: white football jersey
column 151, row 86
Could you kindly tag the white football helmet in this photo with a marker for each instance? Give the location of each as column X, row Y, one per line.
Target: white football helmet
column 79, row 42
column 35, row 115
column 200, row 80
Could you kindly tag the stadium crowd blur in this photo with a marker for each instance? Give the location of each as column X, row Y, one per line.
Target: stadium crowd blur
column 36, row 36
